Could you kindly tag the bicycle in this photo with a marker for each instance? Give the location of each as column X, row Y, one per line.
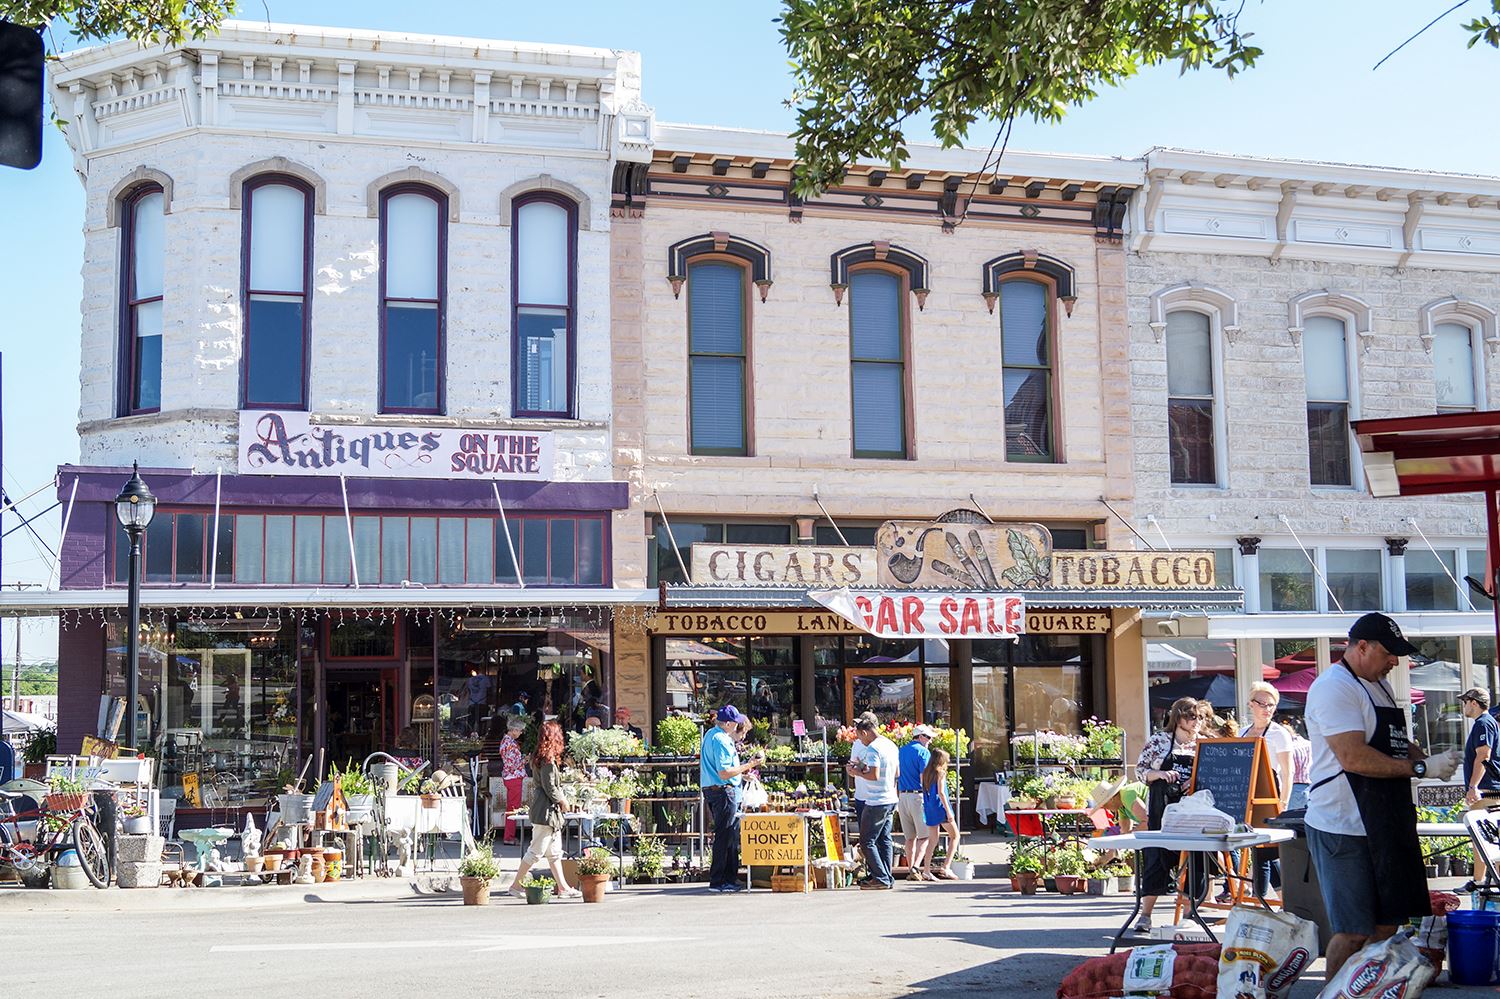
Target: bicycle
column 63, row 822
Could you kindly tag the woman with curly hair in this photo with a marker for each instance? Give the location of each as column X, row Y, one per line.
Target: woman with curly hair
column 547, row 805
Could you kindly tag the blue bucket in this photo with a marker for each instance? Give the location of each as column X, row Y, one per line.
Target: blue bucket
column 1473, row 940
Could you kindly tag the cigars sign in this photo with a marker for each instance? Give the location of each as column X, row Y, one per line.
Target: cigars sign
column 289, row 444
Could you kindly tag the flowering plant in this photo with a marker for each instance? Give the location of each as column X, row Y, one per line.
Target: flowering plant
column 132, row 809
column 1047, row 745
column 1103, row 740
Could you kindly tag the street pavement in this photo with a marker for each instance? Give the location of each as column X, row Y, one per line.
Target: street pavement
column 379, row 938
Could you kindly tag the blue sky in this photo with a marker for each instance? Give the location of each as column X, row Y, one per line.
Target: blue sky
column 1313, row 96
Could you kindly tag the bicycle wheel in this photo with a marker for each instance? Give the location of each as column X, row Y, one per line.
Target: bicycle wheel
column 92, row 853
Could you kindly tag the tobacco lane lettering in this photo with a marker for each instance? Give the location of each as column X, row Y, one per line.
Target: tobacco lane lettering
column 748, row 622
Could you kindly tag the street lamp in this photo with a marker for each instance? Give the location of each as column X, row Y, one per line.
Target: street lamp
column 134, row 508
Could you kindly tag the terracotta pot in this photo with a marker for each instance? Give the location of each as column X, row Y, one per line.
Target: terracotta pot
column 272, row 860
column 253, row 864
column 1026, row 882
column 476, row 891
column 1069, row 884
column 431, row 800
column 1066, row 801
column 592, row 886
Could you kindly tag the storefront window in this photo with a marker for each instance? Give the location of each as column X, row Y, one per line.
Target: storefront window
column 1436, row 677
column 665, row 568
column 1290, row 665
column 937, row 697
column 872, row 650
column 1478, row 561
column 1429, row 582
column 891, row 693
column 1485, row 666
column 1354, row 578
column 1200, row 668
column 991, row 745
column 1286, row 581
column 828, row 699
column 758, row 675
column 1224, row 574
column 1047, row 682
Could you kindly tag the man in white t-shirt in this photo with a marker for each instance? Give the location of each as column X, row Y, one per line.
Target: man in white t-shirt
column 1361, row 823
column 873, row 763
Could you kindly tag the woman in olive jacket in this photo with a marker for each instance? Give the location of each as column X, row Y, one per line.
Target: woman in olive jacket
column 546, row 813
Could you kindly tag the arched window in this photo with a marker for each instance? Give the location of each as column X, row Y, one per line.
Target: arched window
column 141, row 284
column 1191, row 398
column 718, row 355
column 1027, row 359
column 413, row 294
column 543, row 233
column 277, row 275
column 1325, row 365
column 877, row 358
column 1453, row 367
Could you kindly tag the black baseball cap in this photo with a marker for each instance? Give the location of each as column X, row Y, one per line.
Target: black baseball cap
column 1379, row 628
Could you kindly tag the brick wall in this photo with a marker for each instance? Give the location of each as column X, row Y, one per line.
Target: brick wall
column 80, row 681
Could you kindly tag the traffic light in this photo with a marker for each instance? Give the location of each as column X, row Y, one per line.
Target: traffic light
column 22, row 58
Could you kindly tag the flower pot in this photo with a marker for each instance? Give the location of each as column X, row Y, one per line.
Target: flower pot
column 962, row 869
column 1065, row 801
column 537, row 894
column 593, row 886
column 1100, row 886
column 1049, row 884
column 360, row 806
column 272, row 860
column 294, row 807
column 316, row 868
column 139, row 825
column 333, row 864
column 1125, row 883
column 1026, row 882
column 1431, row 871
column 431, row 800
column 253, row 864
column 476, row 891
column 1070, row 884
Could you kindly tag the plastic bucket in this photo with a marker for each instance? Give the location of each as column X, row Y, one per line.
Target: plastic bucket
column 1472, row 945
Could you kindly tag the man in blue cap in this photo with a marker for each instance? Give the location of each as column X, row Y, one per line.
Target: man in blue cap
column 719, row 775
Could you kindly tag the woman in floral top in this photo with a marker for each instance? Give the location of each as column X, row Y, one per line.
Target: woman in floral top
column 1166, row 765
column 512, row 771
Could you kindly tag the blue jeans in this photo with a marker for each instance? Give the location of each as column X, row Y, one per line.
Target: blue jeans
column 875, row 840
column 723, row 808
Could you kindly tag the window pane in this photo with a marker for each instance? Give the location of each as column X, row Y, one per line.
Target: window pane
column 754, row 534
column 937, row 699
column 451, row 550
column 1023, row 323
column 277, row 214
column 1478, row 562
column 505, row 564
column 189, row 561
column 687, row 533
column 544, row 360
column 590, row 553
column 335, row 551
column 1325, row 361
column 1286, row 581
column 1191, row 439
column 1427, row 584
column 718, row 385
column 423, row 550
column 563, row 553
column 1224, row 567
column 991, row 719
column 1354, row 577
column 147, row 388
column 148, row 251
column 716, row 308
column 864, row 536
column 875, row 315
column 411, row 246
column 878, row 409
column 224, row 557
column 249, row 551
column 533, row 550
column 159, row 550
column 394, row 560
column 309, row 559
column 367, row 548
column 481, row 551
column 542, row 254
column 1190, row 369
column 411, row 357
column 1028, row 405
column 278, row 549
column 274, row 351
column 1191, row 667
column 1328, row 443
column 1436, row 677
column 1453, row 365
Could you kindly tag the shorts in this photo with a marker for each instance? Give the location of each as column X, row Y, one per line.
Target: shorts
column 909, row 807
column 546, row 844
column 1346, row 875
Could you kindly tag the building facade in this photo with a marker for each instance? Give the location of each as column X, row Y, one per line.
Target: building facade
column 1272, row 304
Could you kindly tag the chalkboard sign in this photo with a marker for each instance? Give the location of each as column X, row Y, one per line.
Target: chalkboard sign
column 1238, row 772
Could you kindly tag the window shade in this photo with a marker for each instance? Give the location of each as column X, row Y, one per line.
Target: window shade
column 1325, row 360
column 716, row 309
column 875, row 316
column 542, row 254
column 411, row 247
column 1189, row 355
column 878, row 409
column 718, row 406
column 277, row 214
column 1023, row 322
column 1453, row 365
column 148, row 251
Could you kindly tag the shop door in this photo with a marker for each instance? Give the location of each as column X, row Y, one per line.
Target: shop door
column 360, row 714
column 893, row 693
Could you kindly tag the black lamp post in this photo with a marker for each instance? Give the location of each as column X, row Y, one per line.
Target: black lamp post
column 134, row 508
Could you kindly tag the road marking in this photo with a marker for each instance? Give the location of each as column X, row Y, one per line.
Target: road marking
column 479, row 945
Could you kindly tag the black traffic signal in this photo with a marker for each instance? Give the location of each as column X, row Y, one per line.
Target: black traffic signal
column 22, row 58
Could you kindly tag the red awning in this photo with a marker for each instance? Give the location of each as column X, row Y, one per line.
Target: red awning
column 1431, row 455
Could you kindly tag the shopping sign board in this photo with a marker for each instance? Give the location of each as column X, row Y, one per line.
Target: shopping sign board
column 291, row 444
column 783, row 565
column 773, row 840
column 960, row 554
column 898, row 614
column 1132, row 570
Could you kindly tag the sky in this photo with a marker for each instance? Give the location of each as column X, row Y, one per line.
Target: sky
column 1313, row 95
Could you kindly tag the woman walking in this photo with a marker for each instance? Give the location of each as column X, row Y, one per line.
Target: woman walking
column 937, row 813
column 512, row 770
column 547, row 804
column 1166, row 765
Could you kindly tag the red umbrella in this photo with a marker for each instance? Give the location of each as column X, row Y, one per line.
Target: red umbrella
column 1295, row 684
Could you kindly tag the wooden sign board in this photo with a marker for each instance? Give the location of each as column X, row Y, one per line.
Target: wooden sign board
column 1238, row 772
column 1133, row 570
column 1067, row 622
column 783, row 565
column 98, row 748
column 190, row 791
column 749, row 622
column 768, row 840
column 923, row 554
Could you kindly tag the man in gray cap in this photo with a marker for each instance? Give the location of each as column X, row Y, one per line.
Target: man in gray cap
column 1484, row 738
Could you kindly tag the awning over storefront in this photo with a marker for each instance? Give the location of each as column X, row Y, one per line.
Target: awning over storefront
column 1418, row 624
column 1431, row 455
column 34, row 604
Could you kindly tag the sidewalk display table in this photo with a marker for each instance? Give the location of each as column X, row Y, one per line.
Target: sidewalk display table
column 1196, row 847
column 990, row 799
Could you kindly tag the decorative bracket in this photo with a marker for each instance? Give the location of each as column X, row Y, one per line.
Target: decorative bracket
column 1158, row 330
column 1295, row 332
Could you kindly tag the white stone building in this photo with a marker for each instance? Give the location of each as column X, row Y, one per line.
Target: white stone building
column 1271, row 304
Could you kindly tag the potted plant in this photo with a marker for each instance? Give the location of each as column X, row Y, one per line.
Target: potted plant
column 539, row 889
column 1068, row 866
column 1025, row 871
column 34, row 757
column 134, row 818
column 359, row 793
column 429, row 792
column 1124, row 876
column 650, row 858
column 594, row 872
column 476, row 872
column 962, row 867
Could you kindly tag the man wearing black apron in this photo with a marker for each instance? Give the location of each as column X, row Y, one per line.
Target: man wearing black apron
column 1361, row 823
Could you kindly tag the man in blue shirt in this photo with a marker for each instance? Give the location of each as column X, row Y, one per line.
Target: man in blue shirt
column 719, row 772
column 1483, row 744
column 913, row 760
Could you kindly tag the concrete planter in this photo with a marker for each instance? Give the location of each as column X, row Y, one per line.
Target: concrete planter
column 1100, row 886
column 138, row 849
column 139, row 875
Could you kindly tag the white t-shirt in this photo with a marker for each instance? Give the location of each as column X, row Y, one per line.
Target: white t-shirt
column 1278, row 740
column 1337, row 702
column 882, row 754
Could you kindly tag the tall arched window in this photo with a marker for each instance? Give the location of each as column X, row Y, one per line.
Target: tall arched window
column 717, row 357
column 141, row 271
column 877, row 358
column 1027, row 359
column 1325, row 360
column 543, row 230
column 277, row 275
column 1453, row 367
column 413, row 293
column 1190, row 398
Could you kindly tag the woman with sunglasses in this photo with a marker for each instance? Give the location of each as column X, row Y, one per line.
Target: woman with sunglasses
column 1166, row 765
column 1263, row 725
